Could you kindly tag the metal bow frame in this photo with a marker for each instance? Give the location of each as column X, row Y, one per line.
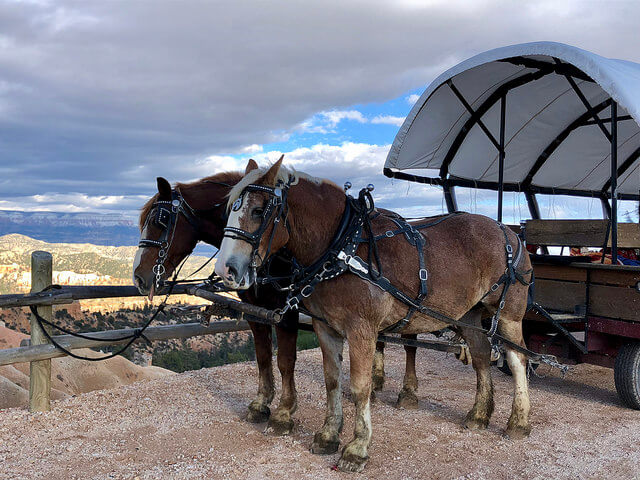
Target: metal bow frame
column 589, row 117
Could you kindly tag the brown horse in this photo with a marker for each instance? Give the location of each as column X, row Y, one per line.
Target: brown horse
column 465, row 255
column 204, row 220
column 208, row 198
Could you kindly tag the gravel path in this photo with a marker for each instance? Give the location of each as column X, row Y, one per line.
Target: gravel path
column 191, row 426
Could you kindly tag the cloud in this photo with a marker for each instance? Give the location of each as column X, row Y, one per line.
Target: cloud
column 94, row 101
column 412, row 99
column 337, row 162
column 361, row 164
column 388, row 120
column 336, row 116
column 74, row 202
column 254, row 148
column 326, row 122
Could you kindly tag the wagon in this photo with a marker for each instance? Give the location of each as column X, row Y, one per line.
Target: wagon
column 547, row 119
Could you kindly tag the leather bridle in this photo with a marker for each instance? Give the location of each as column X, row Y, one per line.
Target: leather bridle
column 164, row 215
column 275, row 211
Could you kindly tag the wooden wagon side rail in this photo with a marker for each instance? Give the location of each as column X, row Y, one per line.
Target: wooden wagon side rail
column 580, row 233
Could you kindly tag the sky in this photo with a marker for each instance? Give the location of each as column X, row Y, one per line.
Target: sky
column 99, row 98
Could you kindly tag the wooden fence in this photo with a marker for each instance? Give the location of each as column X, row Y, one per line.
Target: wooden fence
column 40, row 351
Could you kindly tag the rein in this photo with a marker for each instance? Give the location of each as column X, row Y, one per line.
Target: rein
column 137, row 333
column 166, row 218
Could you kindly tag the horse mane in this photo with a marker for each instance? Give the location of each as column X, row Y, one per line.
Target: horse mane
column 285, row 175
column 223, row 177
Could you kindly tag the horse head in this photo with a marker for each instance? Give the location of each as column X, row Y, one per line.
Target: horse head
column 257, row 225
column 173, row 221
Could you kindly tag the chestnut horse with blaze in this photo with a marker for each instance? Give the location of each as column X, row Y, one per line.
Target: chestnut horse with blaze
column 205, row 201
column 464, row 254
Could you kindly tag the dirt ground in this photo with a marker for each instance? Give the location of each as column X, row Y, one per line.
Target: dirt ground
column 191, row 426
column 69, row 376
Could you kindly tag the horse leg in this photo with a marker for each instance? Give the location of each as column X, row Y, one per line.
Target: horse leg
column 326, row 440
column 378, row 367
column 281, row 422
column 258, row 410
column 361, row 350
column 407, row 397
column 480, row 348
column 518, row 426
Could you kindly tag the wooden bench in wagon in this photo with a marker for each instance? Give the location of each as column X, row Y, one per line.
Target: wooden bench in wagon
column 546, row 118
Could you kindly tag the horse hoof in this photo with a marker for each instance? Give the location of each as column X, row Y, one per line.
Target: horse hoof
column 258, row 413
column 475, row 423
column 407, row 399
column 350, row 462
column 280, row 427
column 518, row 432
column 377, row 382
column 323, row 446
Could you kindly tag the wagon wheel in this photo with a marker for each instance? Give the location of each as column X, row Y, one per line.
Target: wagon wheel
column 626, row 372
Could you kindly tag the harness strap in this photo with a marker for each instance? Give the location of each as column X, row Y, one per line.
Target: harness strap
column 507, row 279
column 276, row 207
column 384, row 284
column 417, row 239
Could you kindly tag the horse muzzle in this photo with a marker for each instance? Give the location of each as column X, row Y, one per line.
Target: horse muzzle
column 142, row 284
column 236, row 274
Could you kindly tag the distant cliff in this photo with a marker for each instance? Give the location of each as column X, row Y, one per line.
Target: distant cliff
column 73, row 263
column 99, row 229
column 94, row 228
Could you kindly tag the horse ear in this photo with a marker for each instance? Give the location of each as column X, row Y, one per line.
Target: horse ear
column 252, row 165
column 270, row 177
column 164, row 188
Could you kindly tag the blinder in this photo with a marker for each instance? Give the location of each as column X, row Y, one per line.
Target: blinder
column 163, row 215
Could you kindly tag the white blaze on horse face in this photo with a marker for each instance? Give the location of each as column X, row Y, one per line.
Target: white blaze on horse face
column 136, row 262
column 138, row 258
column 236, row 251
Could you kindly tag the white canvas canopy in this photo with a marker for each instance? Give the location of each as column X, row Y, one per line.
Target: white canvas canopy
column 557, row 123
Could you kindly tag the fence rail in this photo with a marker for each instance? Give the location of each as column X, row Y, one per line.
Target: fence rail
column 32, row 353
column 40, row 352
column 69, row 294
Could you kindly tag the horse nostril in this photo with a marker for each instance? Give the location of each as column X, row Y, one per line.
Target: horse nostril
column 233, row 272
column 140, row 283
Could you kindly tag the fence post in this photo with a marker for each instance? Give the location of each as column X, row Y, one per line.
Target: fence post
column 40, row 371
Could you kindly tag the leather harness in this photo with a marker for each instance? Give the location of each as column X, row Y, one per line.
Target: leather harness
column 164, row 215
column 340, row 256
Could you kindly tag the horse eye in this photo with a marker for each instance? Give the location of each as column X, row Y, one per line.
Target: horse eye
column 257, row 212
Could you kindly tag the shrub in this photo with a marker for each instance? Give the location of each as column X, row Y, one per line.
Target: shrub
column 183, row 359
column 307, row 340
